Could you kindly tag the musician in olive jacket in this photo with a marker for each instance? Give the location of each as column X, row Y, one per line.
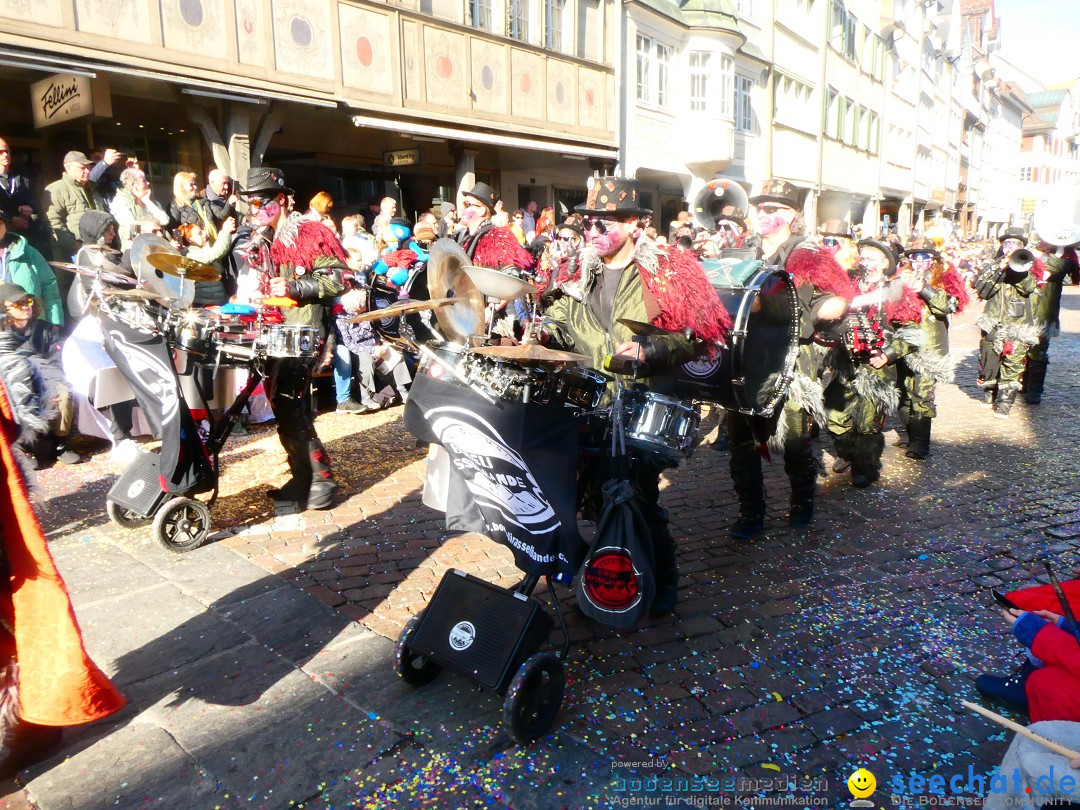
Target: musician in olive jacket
column 1047, row 314
column 303, row 262
column 1008, row 322
column 616, row 279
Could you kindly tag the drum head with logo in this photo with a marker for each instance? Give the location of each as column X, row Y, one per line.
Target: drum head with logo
column 751, row 375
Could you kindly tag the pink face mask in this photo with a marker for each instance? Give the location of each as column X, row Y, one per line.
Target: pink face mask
column 267, row 214
column 470, row 214
column 771, row 223
column 605, row 244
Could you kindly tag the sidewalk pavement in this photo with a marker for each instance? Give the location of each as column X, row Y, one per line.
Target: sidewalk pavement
column 259, row 668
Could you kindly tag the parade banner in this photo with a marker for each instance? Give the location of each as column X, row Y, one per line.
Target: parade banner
column 513, row 471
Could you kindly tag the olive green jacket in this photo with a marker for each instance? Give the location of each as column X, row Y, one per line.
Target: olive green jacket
column 65, row 203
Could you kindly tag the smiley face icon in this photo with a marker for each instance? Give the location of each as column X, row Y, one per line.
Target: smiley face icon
column 862, row 783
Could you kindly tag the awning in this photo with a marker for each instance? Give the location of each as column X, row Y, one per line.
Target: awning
column 88, row 67
column 474, row 136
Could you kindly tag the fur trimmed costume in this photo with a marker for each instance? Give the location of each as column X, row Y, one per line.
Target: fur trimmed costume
column 1010, row 328
column 1047, row 316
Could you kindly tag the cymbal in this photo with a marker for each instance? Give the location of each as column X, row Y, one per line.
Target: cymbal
column 446, row 278
column 401, row 308
column 90, row 272
column 179, row 292
column 498, row 284
column 643, row 329
column 137, row 293
column 177, row 265
column 531, row 353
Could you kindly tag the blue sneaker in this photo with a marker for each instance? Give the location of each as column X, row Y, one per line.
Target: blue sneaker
column 1007, row 689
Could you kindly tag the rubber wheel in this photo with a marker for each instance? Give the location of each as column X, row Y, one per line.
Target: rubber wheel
column 122, row 516
column 413, row 668
column 534, row 697
column 182, row 524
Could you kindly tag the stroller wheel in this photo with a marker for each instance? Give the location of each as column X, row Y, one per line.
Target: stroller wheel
column 182, row 524
column 534, row 697
column 123, row 516
column 413, row 668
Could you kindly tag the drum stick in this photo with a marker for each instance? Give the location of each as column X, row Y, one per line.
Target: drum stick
column 1057, row 748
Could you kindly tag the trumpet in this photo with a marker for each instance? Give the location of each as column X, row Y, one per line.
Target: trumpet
column 1021, row 261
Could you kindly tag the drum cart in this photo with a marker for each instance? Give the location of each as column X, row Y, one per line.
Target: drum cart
column 492, row 636
column 180, row 523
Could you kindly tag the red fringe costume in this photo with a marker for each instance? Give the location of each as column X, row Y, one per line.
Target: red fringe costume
column 908, row 309
column 499, row 248
column 684, row 295
column 305, row 244
column 953, row 284
column 818, row 268
column 58, row 683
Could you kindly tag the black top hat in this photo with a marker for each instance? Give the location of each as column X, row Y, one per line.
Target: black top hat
column 777, row 191
column 1013, row 233
column 263, row 180
column 836, row 227
column 883, row 248
column 485, row 194
column 612, row 195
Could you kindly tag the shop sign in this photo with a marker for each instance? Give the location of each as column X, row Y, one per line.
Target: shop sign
column 67, row 96
column 402, row 157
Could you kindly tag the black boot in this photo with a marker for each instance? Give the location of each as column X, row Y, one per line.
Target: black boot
column 845, row 448
column 866, row 461
column 666, row 569
column 312, row 485
column 745, row 465
column 919, row 435
column 1004, row 403
column 802, row 473
column 903, row 416
column 323, row 485
column 1034, row 380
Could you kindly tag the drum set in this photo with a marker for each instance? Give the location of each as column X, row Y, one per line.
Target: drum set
column 207, row 345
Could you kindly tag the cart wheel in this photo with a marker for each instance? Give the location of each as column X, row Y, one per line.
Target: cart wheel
column 123, row 516
column 413, row 668
column 534, row 697
column 182, row 524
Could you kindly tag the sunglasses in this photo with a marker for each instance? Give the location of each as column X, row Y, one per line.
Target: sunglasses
column 922, row 257
column 257, row 203
column 831, row 241
column 601, row 225
column 772, row 209
column 25, row 303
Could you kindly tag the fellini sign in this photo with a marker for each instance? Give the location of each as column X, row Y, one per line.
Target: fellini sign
column 68, row 96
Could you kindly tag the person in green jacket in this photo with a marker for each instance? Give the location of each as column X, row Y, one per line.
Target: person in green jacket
column 1008, row 321
column 1047, row 313
column 67, row 200
column 21, row 264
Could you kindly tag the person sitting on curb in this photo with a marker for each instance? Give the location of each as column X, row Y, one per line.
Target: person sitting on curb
column 1048, row 681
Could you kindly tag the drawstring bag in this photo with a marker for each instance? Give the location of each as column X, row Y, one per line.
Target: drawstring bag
column 616, row 584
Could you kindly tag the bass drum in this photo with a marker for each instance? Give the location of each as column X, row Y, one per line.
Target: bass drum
column 753, row 374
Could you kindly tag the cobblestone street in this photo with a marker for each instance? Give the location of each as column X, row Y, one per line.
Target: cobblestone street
column 259, row 669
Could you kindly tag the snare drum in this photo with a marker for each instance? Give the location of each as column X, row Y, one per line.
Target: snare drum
column 287, row 340
column 192, row 331
column 579, row 388
column 501, row 378
column 662, row 425
column 451, row 354
column 752, row 375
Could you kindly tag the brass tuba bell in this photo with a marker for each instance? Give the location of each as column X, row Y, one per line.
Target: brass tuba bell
column 721, row 195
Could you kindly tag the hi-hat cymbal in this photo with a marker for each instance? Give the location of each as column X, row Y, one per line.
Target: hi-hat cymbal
column 498, row 284
column 138, row 293
column 401, row 308
column 643, row 329
column 179, row 292
column 90, row 272
column 182, row 266
column 531, row 353
column 446, row 278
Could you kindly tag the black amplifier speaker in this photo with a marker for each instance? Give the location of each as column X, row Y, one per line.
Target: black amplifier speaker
column 139, row 488
column 479, row 630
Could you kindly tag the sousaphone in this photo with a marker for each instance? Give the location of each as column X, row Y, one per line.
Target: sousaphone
column 446, row 278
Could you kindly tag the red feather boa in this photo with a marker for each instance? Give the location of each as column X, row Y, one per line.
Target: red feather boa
column 400, row 258
column 313, row 240
column 498, row 248
column 908, row 309
column 1039, row 270
column 818, row 268
column 953, row 284
column 685, row 296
